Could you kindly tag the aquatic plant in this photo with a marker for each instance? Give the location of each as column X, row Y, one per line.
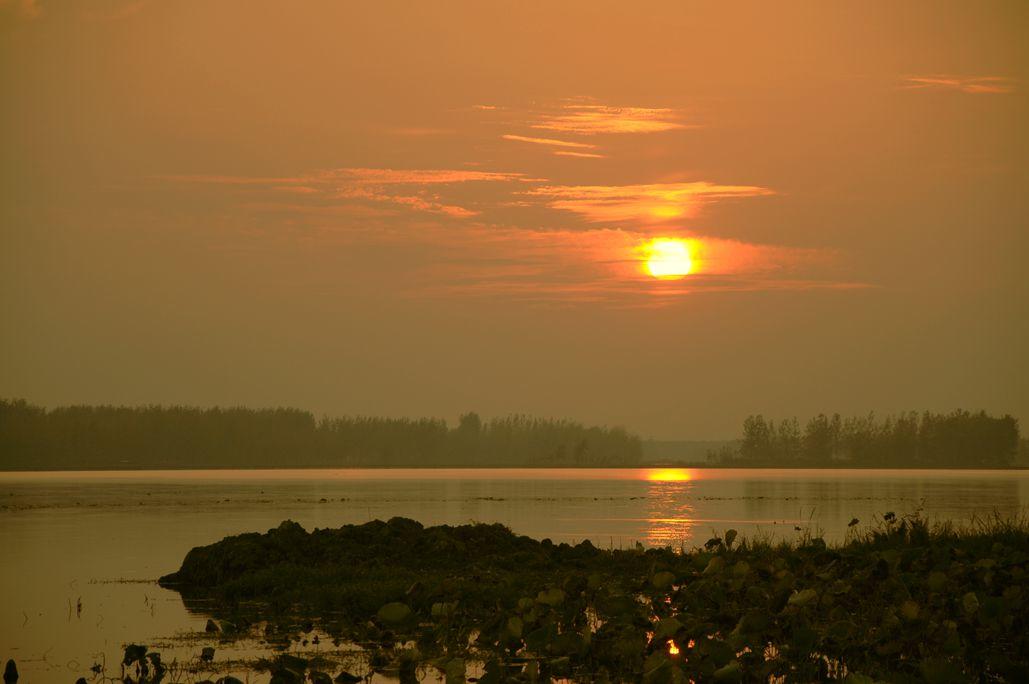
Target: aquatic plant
column 902, row 601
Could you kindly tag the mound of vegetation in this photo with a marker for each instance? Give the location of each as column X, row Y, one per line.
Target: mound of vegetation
column 903, row 602
column 357, row 568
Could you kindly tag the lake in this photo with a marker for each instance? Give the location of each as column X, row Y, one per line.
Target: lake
column 81, row 550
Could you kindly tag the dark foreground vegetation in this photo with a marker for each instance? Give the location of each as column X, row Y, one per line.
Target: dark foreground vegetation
column 33, row 438
column 931, row 440
column 903, row 602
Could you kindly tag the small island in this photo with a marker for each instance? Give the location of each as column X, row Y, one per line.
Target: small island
column 899, row 600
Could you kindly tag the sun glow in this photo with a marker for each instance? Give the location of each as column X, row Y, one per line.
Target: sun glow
column 668, row 258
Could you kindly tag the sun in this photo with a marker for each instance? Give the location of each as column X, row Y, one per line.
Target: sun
column 668, row 475
column 668, row 258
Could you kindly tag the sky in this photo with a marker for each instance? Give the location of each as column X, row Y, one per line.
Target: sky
column 423, row 209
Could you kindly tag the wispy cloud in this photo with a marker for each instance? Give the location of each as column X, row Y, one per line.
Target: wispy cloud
column 547, row 141
column 653, row 202
column 430, row 203
column 423, row 214
column 591, row 119
column 607, row 266
column 360, row 176
column 988, row 85
column 407, row 188
column 498, row 195
column 582, row 118
column 415, row 176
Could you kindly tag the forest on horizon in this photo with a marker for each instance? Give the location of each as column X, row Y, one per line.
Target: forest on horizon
column 959, row 439
column 119, row 437
column 106, row 437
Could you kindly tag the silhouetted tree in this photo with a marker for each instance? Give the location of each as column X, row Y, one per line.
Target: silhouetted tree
column 757, row 439
column 788, row 440
column 821, row 439
column 954, row 440
column 177, row 436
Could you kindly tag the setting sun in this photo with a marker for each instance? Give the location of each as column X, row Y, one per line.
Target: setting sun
column 669, row 475
column 668, row 259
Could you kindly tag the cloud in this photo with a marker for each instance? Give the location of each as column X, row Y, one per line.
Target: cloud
column 990, row 85
column 359, row 176
column 585, row 155
column 422, row 215
column 415, row 176
column 547, row 141
column 406, row 188
column 426, row 203
column 607, row 266
column 591, row 119
column 654, row 202
column 584, row 117
column 437, row 191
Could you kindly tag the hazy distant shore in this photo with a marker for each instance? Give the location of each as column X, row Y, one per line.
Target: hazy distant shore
column 641, row 466
column 183, row 437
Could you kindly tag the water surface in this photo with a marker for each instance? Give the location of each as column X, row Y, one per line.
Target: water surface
column 99, row 539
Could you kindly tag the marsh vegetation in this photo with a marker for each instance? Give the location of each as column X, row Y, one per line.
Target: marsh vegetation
column 902, row 600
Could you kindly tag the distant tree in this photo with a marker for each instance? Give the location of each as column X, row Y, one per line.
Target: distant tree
column 757, row 439
column 788, row 441
column 470, row 424
column 187, row 437
column 821, row 439
column 953, row 440
column 725, row 454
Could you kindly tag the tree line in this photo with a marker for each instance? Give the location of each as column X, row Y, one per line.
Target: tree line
column 71, row 437
column 960, row 439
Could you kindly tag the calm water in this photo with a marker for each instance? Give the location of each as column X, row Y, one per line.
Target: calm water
column 102, row 538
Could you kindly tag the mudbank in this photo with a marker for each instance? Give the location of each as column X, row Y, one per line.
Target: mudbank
column 905, row 601
column 356, row 568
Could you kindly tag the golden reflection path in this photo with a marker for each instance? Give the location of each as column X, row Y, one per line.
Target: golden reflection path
column 670, row 514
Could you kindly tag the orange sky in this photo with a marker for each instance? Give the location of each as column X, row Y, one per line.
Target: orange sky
column 426, row 208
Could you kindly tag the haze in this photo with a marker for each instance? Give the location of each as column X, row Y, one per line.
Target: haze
column 410, row 209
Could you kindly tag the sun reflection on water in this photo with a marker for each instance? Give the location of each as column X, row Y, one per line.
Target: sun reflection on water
column 670, row 515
